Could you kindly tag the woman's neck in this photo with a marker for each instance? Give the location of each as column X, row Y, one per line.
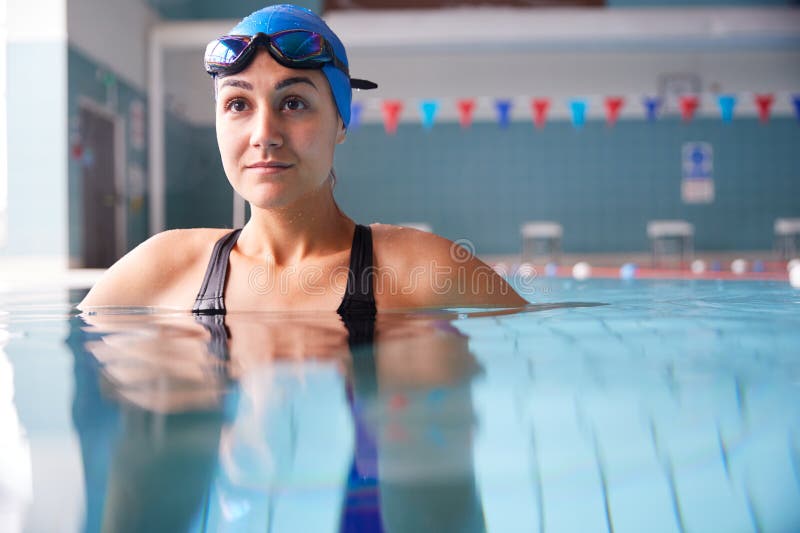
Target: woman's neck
column 313, row 226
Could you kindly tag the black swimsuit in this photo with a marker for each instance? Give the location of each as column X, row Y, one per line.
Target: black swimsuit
column 358, row 297
column 357, row 308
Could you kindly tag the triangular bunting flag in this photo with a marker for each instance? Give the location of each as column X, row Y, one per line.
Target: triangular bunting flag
column 688, row 104
column 428, row 110
column 764, row 104
column 539, row 107
column 391, row 115
column 651, row 106
column 796, row 102
column 503, row 112
column 355, row 115
column 726, row 102
column 465, row 108
column 613, row 107
column 578, row 109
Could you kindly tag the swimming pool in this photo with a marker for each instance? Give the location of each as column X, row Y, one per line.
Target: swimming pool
column 671, row 407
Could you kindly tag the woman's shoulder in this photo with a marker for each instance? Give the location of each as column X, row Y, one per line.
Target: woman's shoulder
column 390, row 237
column 154, row 271
column 175, row 248
column 186, row 240
column 398, row 245
column 417, row 268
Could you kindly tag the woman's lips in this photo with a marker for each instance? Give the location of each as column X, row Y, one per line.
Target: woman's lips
column 269, row 167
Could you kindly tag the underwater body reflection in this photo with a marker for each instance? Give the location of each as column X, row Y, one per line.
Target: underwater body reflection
column 284, row 423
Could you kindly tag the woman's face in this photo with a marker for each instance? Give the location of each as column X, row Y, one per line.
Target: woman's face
column 277, row 129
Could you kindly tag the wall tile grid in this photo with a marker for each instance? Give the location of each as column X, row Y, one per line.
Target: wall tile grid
column 602, row 184
column 197, row 192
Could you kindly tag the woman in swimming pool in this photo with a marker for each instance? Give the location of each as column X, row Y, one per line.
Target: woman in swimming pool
column 283, row 94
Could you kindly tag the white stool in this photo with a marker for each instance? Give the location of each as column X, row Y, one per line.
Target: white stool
column 422, row 226
column 541, row 238
column 661, row 232
column 787, row 230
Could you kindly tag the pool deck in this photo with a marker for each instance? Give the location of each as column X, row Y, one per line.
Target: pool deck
column 43, row 273
column 608, row 265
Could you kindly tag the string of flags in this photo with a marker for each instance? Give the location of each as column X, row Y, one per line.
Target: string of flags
column 578, row 109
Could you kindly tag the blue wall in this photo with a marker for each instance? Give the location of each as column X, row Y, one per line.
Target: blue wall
column 602, row 184
column 197, row 192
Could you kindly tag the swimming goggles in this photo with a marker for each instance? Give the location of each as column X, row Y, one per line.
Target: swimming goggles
column 295, row 48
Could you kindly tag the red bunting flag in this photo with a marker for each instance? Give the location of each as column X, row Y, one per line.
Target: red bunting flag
column 764, row 104
column 613, row 107
column 465, row 109
column 688, row 104
column 540, row 106
column 391, row 115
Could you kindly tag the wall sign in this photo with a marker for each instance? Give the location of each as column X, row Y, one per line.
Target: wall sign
column 697, row 164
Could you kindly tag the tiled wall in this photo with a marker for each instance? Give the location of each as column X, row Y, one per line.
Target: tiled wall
column 197, row 192
column 602, row 184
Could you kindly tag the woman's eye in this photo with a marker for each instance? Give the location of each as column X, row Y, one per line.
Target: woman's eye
column 294, row 104
column 237, row 105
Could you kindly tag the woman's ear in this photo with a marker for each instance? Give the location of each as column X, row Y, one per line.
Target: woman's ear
column 341, row 135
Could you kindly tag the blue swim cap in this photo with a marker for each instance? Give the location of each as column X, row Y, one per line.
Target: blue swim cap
column 285, row 17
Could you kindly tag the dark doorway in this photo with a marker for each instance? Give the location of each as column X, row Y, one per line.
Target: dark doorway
column 99, row 190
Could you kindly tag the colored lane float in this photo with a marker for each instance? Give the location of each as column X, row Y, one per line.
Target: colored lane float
column 738, row 269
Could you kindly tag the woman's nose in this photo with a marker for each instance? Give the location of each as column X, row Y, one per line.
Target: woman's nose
column 266, row 130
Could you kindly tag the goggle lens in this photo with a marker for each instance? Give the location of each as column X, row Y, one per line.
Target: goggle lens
column 299, row 45
column 225, row 51
column 300, row 48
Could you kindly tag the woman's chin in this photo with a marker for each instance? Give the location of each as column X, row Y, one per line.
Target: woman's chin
column 270, row 195
column 277, row 195
column 282, row 200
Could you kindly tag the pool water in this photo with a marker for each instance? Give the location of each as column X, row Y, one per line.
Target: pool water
column 609, row 405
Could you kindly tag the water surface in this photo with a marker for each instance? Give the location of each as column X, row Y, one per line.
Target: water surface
column 606, row 406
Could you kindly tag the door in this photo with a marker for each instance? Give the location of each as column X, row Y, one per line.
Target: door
column 99, row 190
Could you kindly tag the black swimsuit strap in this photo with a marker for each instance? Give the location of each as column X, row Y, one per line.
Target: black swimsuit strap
column 210, row 300
column 359, row 299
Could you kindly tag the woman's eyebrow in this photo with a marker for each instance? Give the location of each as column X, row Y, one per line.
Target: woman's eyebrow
column 236, row 83
column 291, row 81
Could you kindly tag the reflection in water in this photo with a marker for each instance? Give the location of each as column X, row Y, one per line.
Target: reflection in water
column 653, row 414
column 266, row 422
column 146, row 468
